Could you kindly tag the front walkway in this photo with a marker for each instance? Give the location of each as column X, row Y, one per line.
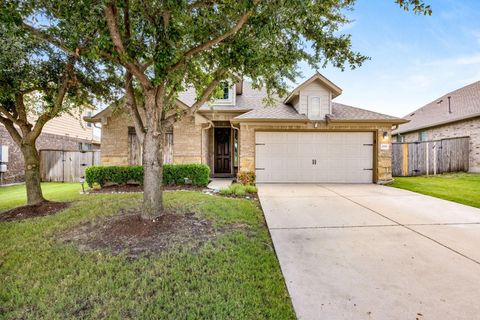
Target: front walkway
column 374, row 252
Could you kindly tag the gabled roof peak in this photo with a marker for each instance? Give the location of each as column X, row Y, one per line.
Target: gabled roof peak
column 336, row 90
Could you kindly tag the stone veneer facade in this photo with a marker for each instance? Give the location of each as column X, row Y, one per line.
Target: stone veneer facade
column 191, row 140
column 470, row 128
column 15, row 166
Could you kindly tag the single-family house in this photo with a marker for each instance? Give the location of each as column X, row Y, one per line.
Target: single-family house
column 455, row 114
column 304, row 137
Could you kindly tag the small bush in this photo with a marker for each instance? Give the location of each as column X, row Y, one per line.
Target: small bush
column 173, row 174
column 246, row 177
column 251, row 189
column 238, row 190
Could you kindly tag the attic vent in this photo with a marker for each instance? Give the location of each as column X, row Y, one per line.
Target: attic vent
column 412, row 114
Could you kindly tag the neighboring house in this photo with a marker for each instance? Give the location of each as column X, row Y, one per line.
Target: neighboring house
column 67, row 132
column 304, row 138
column 456, row 114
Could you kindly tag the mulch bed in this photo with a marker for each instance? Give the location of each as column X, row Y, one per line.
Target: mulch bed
column 137, row 188
column 32, row 211
column 136, row 237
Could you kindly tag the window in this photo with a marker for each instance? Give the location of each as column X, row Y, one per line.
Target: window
column 225, row 94
column 235, row 148
column 314, row 108
column 84, row 146
column 422, row 136
column 400, row 138
column 89, row 114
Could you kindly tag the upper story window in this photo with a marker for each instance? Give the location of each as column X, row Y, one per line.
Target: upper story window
column 89, row 114
column 422, row 136
column 226, row 94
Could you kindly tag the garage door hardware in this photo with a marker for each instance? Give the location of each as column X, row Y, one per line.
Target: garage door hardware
column 314, row 161
column 259, row 168
column 259, row 144
column 368, row 169
column 368, row 144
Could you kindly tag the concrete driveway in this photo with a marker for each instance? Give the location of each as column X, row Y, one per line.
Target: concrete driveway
column 374, row 252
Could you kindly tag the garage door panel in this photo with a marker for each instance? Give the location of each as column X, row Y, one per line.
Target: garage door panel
column 340, row 157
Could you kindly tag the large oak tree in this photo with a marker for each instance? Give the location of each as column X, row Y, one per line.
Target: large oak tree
column 167, row 46
column 39, row 82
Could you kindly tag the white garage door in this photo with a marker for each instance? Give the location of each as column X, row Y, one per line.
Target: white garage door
column 335, row 157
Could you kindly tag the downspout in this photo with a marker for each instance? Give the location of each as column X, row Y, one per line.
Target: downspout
column 210, row 125
column 238, row 145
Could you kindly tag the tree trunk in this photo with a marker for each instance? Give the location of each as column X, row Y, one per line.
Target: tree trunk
column 153, row 176
column 152, row 159
column 32, row 174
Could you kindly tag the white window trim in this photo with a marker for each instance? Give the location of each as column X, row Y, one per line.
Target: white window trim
column 230, row 100
column 309, row 106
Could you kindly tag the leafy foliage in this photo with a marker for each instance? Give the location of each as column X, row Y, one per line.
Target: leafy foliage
column 238, row 190
column 113, row 174
column 173, row 174
column 246, row 177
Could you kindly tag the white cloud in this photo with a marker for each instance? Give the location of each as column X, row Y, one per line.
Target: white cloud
column 465, row 60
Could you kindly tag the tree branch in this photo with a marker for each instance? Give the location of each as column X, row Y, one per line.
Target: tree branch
column 200, row 4
column 206, row 45
column 131, row 105
column 206, row 94
column 48, row 38
column 8, row 115
column 11, row 130
column 57, row 106
column 111, row 18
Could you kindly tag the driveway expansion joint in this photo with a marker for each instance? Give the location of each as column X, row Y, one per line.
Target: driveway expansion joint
column 406, row 226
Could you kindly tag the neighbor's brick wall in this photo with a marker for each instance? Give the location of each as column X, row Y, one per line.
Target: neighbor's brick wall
column 464, row 128
column 384, row 157
column 15, row 167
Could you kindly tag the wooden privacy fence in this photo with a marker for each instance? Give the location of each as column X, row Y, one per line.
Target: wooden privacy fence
column 66, row 166
column 430, row 157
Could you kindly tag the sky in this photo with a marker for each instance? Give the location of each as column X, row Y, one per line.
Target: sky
column 414, row 59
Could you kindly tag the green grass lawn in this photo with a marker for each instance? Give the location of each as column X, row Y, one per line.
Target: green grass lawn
column 234, row 276
column 14, row 196
column 460, row 187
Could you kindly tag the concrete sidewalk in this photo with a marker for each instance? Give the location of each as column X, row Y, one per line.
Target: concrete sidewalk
column 374, row 252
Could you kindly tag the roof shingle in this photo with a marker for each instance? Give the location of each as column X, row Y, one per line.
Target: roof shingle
column 464, row 104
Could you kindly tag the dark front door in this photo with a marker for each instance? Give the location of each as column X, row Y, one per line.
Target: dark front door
column 222, row 150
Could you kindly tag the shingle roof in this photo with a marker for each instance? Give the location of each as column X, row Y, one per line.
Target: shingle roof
column 251, row 102
column 279, row 112
column 344, row 112
column 464, row 104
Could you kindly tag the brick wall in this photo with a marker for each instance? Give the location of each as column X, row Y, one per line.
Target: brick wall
column 464, row 128
column 383, row 157
column 115, row 139
column 15, row 164
column 188, row 142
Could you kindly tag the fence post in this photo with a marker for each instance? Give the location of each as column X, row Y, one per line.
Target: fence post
column 435, row 158
column 427, row 161
column 405, row 160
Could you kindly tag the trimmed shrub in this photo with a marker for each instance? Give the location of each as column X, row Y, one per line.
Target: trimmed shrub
column 113, row 174
column 246, row 177
column 173, row 174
